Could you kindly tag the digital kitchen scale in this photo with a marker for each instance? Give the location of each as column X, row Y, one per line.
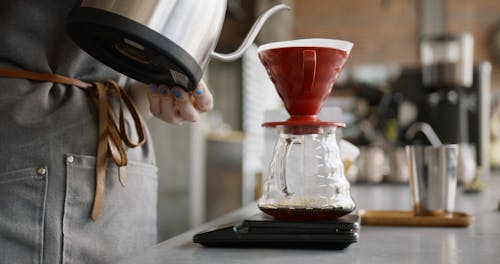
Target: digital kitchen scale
column 263, row 231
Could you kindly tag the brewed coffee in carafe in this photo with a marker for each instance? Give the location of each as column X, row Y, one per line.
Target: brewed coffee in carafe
column 306, row 178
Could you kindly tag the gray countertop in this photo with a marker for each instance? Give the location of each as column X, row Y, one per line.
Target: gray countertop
column 478, row 243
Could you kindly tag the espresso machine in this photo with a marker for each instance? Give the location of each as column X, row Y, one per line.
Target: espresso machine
column 451, row 93
column 446, row 76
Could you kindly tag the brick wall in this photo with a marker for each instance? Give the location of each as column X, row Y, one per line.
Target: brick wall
column 387, row 31
column 382, row 31
column 479, row 17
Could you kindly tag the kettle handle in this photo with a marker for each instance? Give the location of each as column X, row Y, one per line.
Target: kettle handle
column 252, row 34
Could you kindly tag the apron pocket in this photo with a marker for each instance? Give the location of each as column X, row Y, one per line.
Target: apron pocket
column 127, row 221
column 22, row 203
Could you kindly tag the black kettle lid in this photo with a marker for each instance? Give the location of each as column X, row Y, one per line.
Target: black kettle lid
column 132, row 48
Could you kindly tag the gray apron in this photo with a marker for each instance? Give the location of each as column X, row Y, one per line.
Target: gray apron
column 48, row 143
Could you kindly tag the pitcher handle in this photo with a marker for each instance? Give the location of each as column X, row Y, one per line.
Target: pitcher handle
column 308, row 69
column 282, row 164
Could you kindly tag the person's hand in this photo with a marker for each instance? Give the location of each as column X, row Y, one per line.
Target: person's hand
column 176, row 105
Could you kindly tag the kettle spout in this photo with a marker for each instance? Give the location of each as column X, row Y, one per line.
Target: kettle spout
column 252, row 34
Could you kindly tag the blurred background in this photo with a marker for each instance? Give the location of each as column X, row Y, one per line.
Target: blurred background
column 432, row 61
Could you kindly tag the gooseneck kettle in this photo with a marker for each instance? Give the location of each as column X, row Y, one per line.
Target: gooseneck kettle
column 156, row 41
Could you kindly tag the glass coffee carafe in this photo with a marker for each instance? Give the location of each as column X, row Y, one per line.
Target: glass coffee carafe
column 306, row 178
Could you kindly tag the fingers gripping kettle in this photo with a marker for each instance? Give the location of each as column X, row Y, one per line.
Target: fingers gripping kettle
column 156, row 41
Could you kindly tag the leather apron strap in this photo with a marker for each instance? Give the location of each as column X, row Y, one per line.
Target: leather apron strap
column 112, row 135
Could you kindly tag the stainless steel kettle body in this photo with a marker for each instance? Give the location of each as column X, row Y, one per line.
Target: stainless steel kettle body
column 156, row 41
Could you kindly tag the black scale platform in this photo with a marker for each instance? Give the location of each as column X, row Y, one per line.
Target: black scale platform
column 262, row 231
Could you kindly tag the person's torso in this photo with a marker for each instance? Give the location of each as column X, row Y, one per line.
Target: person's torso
column 45, row 216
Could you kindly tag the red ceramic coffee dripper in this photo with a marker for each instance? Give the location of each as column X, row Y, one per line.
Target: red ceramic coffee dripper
column 304, row 72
